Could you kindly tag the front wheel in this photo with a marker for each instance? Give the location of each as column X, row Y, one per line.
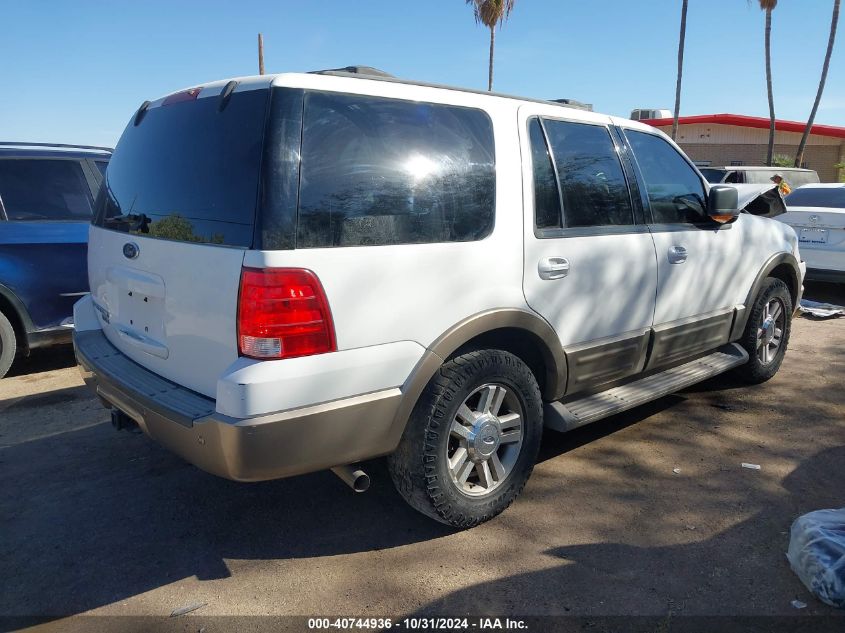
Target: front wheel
column 767, row 332
column 472, row 439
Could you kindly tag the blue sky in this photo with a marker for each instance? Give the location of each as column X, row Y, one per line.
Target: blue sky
column 75, row 71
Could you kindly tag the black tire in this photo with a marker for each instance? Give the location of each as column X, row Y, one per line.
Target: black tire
column 756, row 371
column 8, row 345
column 419, row 467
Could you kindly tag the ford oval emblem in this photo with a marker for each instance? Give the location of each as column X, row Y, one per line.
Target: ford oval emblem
column 131, row 250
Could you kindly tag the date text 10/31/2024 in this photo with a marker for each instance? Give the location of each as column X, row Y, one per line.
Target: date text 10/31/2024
column 436, row 624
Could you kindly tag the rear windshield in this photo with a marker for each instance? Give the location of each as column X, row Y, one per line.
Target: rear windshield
column 188, row 171
column 335, row 170
column 817, row 197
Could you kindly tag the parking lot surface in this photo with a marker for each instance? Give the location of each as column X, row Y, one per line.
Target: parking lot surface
column 646, row 513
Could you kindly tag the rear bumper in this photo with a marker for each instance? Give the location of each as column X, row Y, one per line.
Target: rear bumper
column 249, row 449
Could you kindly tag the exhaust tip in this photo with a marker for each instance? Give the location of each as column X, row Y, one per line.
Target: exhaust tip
column 362, row 481
column 355, row 478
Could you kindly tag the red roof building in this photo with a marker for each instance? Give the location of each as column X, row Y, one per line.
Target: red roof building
column 716, row 140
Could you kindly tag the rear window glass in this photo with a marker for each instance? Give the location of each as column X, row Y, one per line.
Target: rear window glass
column 592, row 183
column 382, row 171
column 188, row 171
column 817, row 197
column 44, row 189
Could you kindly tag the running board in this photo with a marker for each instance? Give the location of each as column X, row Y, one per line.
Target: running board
column 565, row 417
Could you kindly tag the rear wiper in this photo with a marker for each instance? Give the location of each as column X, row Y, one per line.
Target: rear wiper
column 137, row 221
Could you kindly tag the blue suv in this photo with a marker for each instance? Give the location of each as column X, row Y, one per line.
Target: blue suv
column 46, row 199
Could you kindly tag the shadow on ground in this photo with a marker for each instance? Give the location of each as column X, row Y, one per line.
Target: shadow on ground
column 41, row 360
column 699, row 577
column 111, row 515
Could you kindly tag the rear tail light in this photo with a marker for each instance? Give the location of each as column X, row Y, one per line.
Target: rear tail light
column 283, row 313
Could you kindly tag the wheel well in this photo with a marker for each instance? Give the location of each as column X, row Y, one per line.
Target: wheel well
column 786, row 274
column 10, row 313
column 522, row 344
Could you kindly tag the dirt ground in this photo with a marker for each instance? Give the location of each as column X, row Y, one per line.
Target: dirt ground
column 99, row 522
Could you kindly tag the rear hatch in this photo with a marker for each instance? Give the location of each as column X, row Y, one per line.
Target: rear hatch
column 174, row 216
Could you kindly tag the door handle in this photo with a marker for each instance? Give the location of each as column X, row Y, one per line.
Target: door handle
column 553, row 267
column 677, row 255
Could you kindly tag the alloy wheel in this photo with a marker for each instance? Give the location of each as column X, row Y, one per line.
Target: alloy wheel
column 770, row 332
column 485, row 439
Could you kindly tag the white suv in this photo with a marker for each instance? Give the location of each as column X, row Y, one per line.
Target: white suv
column 302, row 271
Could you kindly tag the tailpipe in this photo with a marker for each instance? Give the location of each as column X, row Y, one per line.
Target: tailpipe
column 355, row 478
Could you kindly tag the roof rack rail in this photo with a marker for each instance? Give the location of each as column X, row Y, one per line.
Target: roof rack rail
column 58, row 145
column 374, row 74
column 366, row 71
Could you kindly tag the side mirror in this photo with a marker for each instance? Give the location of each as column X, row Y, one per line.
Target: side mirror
column 723, row 203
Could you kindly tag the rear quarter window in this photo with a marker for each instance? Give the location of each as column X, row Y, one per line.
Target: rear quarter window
column 44, row 189
column 379, row 171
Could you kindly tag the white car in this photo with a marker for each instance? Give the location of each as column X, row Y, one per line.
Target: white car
column 817, row 213
column 303, row 271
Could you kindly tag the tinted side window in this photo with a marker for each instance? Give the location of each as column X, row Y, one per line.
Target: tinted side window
column 43, row 189
column 546, row 198
column 675, row 191
column 101, row 165
column 382, row 171
column 592, row 182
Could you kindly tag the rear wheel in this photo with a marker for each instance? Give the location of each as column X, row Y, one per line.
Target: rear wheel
column 8, row 345
column 767, row 332
column 472, row 439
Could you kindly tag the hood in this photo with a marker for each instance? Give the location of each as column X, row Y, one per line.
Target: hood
column 763, row 200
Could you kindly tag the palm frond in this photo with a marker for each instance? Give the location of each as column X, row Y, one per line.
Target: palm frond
column 491, row 12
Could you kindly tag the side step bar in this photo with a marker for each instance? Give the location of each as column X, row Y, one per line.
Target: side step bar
column 565, row 417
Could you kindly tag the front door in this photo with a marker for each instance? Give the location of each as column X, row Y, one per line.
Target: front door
column 696, row 257
column 590, row 267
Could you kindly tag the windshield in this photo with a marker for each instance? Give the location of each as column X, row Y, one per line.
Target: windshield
column 833, row 197
column 188, row 171
column 712, row 175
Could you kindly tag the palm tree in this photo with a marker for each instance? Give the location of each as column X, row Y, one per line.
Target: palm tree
column 768, row 6
column 799, row 157
column 491, row 13
column 681, row 42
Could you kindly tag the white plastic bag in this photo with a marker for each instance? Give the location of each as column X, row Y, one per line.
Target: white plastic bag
column 817, row 554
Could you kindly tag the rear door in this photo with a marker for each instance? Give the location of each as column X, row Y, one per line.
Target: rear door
column 174, row 217
column 697, row 259
column 590, row 266
column 45, row 209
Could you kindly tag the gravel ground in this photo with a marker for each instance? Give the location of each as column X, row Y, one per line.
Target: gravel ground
column 105, row 523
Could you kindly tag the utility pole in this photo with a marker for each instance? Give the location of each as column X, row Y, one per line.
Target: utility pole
column 260, row 54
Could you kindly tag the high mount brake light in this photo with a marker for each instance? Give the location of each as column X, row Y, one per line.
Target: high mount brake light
column 283, row 313
column 178, row 97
